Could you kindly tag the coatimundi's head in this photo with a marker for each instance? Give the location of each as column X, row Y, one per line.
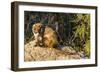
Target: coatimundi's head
column 36, row 28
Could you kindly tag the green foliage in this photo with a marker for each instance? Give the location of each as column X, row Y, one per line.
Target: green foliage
column 82, row 32
column 82, row 28
column 87, row 48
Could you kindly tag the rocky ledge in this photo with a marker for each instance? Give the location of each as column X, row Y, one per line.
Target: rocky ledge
column 33, row 53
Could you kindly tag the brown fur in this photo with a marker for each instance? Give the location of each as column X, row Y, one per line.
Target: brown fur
column 49, row 37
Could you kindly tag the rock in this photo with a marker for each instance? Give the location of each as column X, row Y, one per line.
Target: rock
column 75, row 56
column 27, row 57
column 68, row 49
column 81, row 53
column 33, row 53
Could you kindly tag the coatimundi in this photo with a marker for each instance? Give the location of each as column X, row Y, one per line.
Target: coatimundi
column 48, row 38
